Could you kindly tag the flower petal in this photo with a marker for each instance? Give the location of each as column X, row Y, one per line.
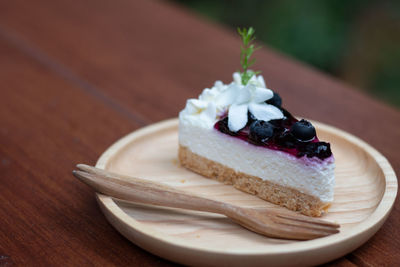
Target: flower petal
column 261, row 81
column 237, row 117
column 265, row 112
column 262, row 94
column 228, row 96
column 243, row 96
column 237, row 78
column 253, row 80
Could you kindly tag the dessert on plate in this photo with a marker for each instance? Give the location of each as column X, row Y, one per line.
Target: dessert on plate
column 239, row 134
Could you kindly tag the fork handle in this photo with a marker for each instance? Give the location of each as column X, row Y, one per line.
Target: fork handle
column 144, row 191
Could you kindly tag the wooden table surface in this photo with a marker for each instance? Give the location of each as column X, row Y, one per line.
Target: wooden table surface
column 77, row 75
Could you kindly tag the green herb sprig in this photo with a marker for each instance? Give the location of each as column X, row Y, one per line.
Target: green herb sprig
column 246, row 51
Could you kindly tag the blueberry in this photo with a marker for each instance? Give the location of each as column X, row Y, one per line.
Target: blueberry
column 276, row 100
column 223, row 127
column 260, row 132
column 250, row 118
column 303, row 131
column 321, row 150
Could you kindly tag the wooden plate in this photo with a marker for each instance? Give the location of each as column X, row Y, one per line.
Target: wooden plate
column 365, row 191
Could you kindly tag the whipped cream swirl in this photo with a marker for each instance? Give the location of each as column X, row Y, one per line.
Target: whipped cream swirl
column 236, row 100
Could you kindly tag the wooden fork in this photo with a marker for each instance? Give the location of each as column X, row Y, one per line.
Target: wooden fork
column 270, row 223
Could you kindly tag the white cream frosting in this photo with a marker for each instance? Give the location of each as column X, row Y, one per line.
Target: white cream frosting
column 236, row 99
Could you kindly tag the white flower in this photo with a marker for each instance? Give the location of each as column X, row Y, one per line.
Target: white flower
column 236, row 99
column 242, row 99
column 255, row 80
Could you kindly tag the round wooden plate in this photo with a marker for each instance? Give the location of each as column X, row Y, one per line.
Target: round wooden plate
column 366, row 187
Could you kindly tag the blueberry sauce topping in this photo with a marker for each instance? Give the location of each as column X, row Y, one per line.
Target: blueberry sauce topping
column 222, row 126
column 276, row 100
column 317, row 149
column 288, row 134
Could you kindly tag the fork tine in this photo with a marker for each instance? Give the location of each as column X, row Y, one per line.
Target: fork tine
column 304, row 219
column 89, row 169
column 307, row 225
column 301, row 233
column 272, row 225
column 281, row 230
column 290, row 231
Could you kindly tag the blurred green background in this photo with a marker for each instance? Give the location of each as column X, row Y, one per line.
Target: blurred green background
column 357, row 41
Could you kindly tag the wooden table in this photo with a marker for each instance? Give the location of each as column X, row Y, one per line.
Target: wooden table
column 77, row 75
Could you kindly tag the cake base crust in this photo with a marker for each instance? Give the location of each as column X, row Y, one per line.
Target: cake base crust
column 272, row 192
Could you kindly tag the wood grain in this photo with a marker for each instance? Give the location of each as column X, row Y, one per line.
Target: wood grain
column 46, row 125
column 76, row 77
column 365, row 190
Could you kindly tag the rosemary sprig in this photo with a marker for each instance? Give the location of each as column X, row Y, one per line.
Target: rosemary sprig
column 246, row 51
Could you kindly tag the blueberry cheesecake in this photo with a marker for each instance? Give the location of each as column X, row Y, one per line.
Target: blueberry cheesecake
column 240, row 134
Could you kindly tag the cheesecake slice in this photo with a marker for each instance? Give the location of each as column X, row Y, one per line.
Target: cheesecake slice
column 240, row 134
